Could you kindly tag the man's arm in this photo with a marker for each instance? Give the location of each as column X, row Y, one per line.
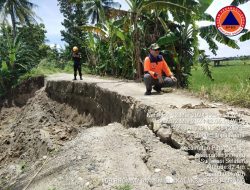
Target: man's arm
column 78, row 55
column 166, row 69
column 147, row 67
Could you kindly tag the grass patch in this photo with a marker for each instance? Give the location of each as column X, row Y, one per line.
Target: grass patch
column 53, row 188
column 46, row 67
column 124, row 187
column 231, row 83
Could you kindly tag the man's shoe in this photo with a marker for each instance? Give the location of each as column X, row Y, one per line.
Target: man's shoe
column 75, row 78
column 167, row 90
column 148, row 93
column 80, row 78
column 157, row 89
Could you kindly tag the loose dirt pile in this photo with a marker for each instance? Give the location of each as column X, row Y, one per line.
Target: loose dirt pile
column 31, row 132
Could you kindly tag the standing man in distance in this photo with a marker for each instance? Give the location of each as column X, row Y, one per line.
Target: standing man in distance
column 76, row 56
column 154, row 66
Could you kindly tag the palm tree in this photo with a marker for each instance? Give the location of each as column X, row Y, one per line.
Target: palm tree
column 95, row 8
column 20, row 11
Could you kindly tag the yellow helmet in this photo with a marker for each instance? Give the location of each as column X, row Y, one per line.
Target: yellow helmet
column 75, row 48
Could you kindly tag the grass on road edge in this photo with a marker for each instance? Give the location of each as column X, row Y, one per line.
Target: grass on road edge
column 231, row 83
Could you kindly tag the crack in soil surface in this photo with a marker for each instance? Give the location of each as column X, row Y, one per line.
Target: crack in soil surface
column 83, row 151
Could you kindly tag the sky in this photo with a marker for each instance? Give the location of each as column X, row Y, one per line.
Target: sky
column 48, row 11
column 225, row 51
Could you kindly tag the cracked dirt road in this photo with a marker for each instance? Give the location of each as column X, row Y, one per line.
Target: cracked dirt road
column 155, row 153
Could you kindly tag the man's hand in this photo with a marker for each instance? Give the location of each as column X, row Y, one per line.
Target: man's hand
column 173, row 78
column 160, row 79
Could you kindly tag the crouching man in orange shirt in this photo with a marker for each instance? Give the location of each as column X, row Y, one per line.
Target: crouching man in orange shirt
column 154, row 65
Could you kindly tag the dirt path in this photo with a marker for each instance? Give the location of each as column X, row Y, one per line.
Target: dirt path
column 175, row 145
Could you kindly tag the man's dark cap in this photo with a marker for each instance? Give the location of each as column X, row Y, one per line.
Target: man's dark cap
column 154, row 46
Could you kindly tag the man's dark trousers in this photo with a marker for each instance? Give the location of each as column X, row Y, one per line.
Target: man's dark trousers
column 150, row 81
column 77, row 67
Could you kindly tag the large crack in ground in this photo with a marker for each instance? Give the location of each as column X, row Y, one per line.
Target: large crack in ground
column 80, row 145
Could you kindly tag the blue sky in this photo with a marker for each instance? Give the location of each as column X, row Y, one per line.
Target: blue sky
column 49, row 12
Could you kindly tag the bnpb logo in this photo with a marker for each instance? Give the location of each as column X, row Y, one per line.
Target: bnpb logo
column 230, row 20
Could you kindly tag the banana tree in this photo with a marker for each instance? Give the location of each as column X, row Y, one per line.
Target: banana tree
column 210, row 33
column 181, row 37
column 137, row 8
column 181, row 40
column 4, row 73
column 239, row 2
column 184, row 38
column 108, row 33
column 92, row 52
column 245, row 36
column 12, row 54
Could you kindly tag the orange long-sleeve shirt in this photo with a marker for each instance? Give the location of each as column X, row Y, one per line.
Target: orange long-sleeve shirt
column 156, row 65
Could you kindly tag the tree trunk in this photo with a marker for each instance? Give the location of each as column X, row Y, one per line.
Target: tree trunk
column 178, row 75
column 2, row 83
column 111, row 50
column 137, row 50
column 13, row 20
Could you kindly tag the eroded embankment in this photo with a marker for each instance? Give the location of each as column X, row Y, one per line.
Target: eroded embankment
column 105, row 106
column 195, row 132
column 34, row 125
column 19, row 95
